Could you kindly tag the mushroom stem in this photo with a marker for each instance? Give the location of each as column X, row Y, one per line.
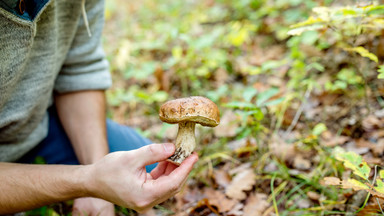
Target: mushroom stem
column 185, row 142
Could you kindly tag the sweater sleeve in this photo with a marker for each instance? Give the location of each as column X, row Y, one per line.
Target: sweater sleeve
column 86, row 67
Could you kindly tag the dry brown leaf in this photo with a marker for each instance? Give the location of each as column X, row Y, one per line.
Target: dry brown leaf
column 361, row 143
column 243, row 181
column 283, row 150
column 303, row 203
column 378, row 148
column 218, row 199
column 377, row 134
column 221, row 177
column 346, row 184
column 256, row 204
column 221, row 76
column 300, row 163
column 237, row 210
column 313, row 195
column 228, row 125
column 334, row 141
column 240, row 168
column 371, row 122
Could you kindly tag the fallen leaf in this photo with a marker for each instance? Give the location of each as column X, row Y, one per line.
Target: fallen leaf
column 313, row 195
column 333, row 140
column 256, row 204
column 364, row 143
column 378, row 148
column 218, row 199
column 351, row 146
column 221, row 76
column 346, row 184
column 240, row 168
column 303, row 203
column 221, row 177
column 282, row 150
column 377, row 134
column 238, row 144
column 371, row 122
column 237, row 210
column 379, row 113
column 228, row 125
column 300, row 163
column 243, row 181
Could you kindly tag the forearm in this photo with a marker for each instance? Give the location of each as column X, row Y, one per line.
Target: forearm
column 82, row 115
column 26, row 187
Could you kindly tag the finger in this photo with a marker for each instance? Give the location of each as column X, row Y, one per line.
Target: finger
column 185, row 167
column 170, row 168
column 153, row 153
column 159, row 170
column 172, row 182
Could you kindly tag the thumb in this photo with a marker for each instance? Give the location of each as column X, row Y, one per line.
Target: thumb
column 153, row 153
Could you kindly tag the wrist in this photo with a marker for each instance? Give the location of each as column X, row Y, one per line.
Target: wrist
column 85, row 181
column 89, row 152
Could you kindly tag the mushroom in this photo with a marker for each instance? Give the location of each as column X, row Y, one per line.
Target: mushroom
column 187, row 112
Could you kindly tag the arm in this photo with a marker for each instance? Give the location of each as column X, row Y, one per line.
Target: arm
column 119, row 177
column 82, row 115
column 26, row 187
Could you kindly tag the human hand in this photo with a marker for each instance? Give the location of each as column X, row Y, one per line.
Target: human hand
column 89, row 206
column 121, row 178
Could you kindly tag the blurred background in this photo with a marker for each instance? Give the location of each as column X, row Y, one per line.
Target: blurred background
column 295, row 81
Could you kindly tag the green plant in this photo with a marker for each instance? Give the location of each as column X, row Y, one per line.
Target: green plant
column 344, row 28
column 251, row 109
column 361, row 175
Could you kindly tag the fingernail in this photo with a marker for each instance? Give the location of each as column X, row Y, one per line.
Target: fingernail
column 168, row 147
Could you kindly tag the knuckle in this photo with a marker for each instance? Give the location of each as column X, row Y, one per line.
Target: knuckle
column 152, row 149
column 174, row 187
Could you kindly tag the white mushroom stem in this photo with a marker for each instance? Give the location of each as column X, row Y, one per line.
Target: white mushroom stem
column 185, row 142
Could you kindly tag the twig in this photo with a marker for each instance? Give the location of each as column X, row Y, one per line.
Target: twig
column 299, row 111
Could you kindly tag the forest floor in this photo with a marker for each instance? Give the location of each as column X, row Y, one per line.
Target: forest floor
column 286, row 107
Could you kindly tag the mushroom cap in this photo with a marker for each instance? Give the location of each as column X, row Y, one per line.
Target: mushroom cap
column 193, row 109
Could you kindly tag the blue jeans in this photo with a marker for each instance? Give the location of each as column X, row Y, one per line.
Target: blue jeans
column 57, row 149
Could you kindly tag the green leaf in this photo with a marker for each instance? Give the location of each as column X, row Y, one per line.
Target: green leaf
column 249, row 93
column 381, row 72
column 241, row 105
column 301, row 30
column 266, row 95
column 319, row 129
column 357, row 185
column 274, row 102
column 177, row 52
column 310, row 37
column 380, row 186
column 258, row 114
column 310, row 21
column 354, row 162
column 375, row 10
column 381, row 174
column 348, row 11
column 363, row 52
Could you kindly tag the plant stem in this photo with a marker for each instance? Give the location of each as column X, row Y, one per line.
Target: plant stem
column 273, row 195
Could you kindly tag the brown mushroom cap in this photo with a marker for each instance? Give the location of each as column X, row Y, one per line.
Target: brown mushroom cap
column 193, row 109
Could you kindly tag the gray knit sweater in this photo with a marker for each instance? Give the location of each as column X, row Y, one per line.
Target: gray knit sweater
column 52, row 52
